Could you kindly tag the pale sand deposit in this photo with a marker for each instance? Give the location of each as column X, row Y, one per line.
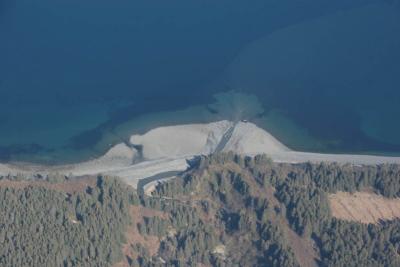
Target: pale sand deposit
column 167, row 148
column 248, row 139
column 117, row 157
column 181, row 140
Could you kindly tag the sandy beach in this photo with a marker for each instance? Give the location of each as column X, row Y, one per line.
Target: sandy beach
column 166, row 149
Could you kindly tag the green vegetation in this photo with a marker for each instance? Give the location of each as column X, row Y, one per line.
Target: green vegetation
column 45, row 227
column 226, row 210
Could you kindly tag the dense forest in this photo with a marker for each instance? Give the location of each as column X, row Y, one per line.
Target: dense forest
column 226, row 210
column 51, row 223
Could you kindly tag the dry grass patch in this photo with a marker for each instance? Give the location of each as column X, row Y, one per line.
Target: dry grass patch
column 364, row 207
column 133, row 237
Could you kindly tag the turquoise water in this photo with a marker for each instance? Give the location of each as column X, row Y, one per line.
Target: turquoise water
column 78, row 76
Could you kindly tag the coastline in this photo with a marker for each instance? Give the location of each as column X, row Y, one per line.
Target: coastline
column 167, row 149
column 230, row 105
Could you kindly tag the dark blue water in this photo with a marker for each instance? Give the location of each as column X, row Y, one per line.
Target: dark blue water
column 72, row 72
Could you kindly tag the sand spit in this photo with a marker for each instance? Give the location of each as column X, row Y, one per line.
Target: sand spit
column 167, row 149
column 116, row 158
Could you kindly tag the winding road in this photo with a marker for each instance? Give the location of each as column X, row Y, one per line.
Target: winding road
column 163, row 175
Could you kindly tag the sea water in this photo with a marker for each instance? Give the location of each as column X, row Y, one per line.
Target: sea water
column 78, row 76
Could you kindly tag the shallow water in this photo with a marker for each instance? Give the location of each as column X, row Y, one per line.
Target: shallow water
column 76, row 77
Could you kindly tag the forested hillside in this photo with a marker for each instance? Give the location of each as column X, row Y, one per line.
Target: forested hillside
column 62, row 223
column 226, row 210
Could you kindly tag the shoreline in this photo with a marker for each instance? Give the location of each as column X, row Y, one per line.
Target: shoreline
column 230, row 105
column 167, row 149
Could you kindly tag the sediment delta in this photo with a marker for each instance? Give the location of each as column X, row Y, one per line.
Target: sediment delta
column 167, row 149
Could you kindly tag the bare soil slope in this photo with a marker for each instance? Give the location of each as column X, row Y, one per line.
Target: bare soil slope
column 364, row 207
